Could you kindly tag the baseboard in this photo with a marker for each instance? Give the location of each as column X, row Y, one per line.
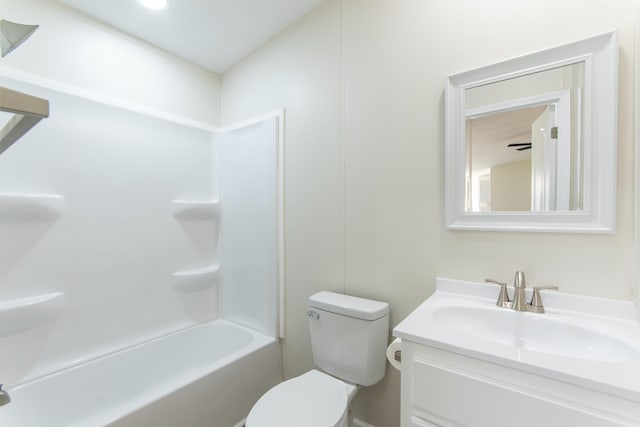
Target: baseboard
column 359, row 423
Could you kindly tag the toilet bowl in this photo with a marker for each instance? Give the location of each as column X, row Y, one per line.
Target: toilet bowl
column 313, row 399
column 348, row 343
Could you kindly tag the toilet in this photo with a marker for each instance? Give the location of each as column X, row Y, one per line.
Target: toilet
column 348, row 342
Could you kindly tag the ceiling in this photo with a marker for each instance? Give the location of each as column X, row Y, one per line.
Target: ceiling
column 215, row 34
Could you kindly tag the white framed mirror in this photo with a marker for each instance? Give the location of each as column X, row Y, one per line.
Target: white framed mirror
column 530, row 143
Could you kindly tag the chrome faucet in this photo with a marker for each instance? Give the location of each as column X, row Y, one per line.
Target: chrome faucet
column 4, row 397
column 519, row 302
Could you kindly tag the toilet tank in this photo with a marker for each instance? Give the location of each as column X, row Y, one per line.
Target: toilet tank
column 349, row 336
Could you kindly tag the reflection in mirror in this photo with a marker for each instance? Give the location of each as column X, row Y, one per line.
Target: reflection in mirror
column 530, row 142
column 523, row 142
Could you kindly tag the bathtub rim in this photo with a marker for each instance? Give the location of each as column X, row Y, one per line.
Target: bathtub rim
column 113, row 413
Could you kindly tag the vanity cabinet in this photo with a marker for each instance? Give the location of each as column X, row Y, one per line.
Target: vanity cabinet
column 445, row 389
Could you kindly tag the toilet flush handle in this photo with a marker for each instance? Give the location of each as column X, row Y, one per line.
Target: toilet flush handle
column 313, row 314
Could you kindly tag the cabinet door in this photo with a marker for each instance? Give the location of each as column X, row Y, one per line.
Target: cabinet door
column 449, row 397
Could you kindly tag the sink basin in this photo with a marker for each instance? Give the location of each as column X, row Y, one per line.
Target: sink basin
column 585, row 341
column 543, row 333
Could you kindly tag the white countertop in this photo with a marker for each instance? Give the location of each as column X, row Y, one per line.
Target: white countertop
column 611, row 365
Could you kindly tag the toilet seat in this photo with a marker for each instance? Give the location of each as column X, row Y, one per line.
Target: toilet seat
column 313, row 399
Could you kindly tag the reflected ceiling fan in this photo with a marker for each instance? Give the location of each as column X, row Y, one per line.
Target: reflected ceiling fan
column 521, row 146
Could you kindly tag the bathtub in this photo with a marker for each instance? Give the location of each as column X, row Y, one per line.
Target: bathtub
column 206, row 375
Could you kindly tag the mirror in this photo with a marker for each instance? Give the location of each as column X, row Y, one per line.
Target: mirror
column 531, row 142
column 523, row 142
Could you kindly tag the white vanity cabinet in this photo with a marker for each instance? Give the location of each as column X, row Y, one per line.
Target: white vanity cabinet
column 444, row 389
column 468, row 363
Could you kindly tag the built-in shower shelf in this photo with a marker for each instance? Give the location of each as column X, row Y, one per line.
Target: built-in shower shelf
column 195, row 209
column 189, row 281
column 20, row 314
column 25, row 207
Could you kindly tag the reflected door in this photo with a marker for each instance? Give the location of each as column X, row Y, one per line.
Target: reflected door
column 551, row 158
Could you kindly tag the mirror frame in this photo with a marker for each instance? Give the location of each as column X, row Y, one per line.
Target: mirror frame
column 599, row 140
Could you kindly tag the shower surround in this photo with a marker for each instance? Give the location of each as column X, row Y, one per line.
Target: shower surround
column 130, row 240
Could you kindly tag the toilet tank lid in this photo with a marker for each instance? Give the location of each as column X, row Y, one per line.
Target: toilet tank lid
column 347, row 305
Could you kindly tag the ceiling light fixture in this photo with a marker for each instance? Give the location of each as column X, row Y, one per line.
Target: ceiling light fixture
column 154, row 4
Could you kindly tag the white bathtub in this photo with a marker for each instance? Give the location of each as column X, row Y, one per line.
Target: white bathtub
column 207, row 375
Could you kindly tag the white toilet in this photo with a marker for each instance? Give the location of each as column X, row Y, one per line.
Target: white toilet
column 348, row 341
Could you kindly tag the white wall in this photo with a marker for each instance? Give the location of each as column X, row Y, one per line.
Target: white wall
column 362, row 82
column 74, row 49
column 511, row 186
column 301, row 72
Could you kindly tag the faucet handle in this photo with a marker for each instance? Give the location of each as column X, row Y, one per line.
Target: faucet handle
column 503, row 298
column 536, row 300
